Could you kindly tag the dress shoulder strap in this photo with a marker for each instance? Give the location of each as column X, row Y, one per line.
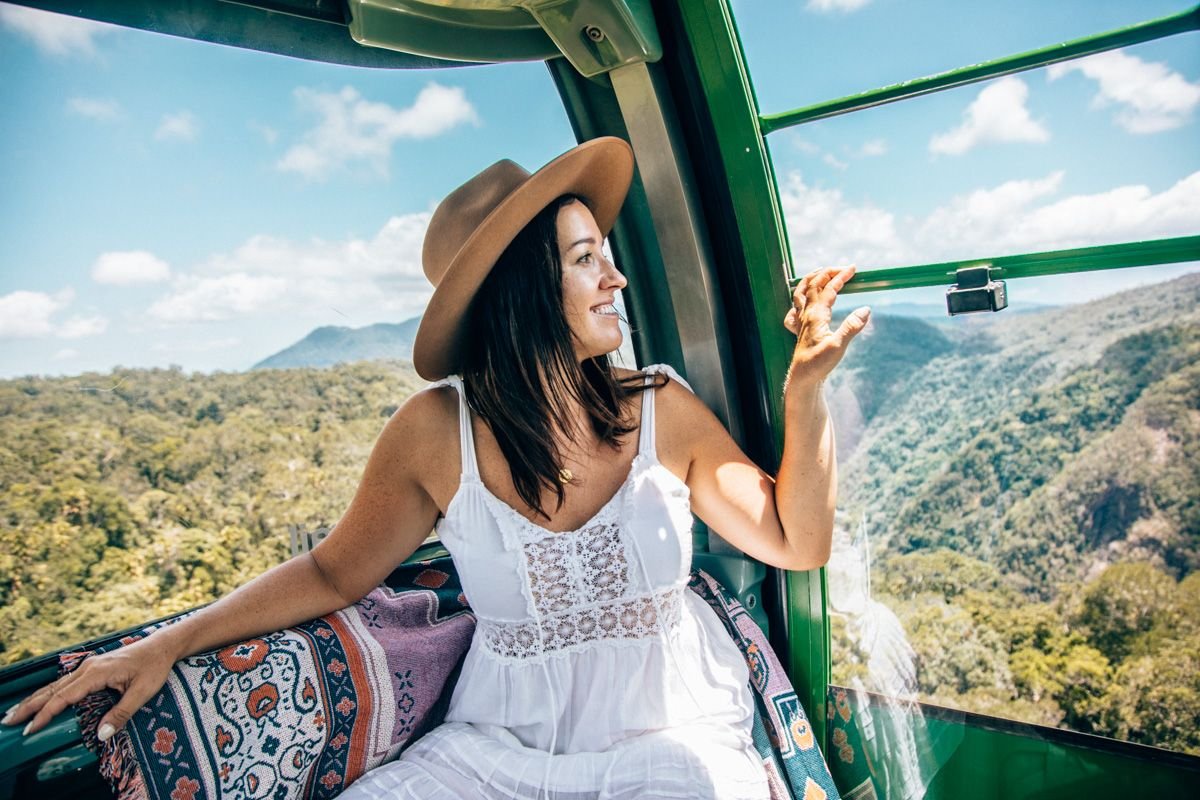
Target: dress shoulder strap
column 646, row 437
column 466, row 438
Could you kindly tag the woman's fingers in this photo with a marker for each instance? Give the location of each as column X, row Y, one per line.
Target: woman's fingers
column 791, row 321
column 813, row 299
column 821, row 286
column 34, row 703
column 836, row 282
column 853, row 324
column 824, row 290
column 51, row 701
column 819, row 348
column 136, row 696
column 820, row 278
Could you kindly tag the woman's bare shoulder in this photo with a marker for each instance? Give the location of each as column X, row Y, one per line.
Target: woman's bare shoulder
column 426, row 420
column 682, row 415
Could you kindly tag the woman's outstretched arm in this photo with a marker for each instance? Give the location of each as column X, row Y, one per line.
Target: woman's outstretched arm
column 786, row 521
column 390, row 515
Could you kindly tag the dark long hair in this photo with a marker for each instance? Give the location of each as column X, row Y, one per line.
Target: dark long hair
column 520, row 368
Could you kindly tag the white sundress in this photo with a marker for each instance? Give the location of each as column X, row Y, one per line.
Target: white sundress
column 593, row 672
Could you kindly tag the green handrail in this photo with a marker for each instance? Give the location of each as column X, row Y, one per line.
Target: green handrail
column 1031, row 265
column 1134, row 34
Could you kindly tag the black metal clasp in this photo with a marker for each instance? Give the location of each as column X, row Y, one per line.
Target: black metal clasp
column 974, row 290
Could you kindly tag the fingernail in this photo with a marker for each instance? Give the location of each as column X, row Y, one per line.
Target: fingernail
column 105, row 733
column 27, row 727
column 8, row 715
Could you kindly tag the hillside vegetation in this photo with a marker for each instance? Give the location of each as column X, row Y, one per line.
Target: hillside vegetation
column 140, row 493
column 1031, row 489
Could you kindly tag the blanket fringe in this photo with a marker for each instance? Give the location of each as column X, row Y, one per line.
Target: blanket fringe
column 117, row 762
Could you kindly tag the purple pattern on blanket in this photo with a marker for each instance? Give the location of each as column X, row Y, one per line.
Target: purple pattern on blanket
column 299, row 713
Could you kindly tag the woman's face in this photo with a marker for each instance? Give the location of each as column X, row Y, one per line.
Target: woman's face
column 589, row 283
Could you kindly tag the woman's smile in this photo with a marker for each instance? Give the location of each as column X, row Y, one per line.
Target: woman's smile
column 589, row 283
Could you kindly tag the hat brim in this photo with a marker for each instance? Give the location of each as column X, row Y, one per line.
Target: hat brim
column 599, row 171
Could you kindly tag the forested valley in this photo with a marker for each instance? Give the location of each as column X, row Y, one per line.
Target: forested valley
column 140, row 493
column 1029, row 486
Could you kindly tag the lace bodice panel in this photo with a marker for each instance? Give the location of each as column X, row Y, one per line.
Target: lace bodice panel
column 567, row 570
column 618, row 579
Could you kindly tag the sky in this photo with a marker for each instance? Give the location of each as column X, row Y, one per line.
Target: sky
column 170, row 202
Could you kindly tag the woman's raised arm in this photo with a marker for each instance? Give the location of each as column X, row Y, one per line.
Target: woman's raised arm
column 786, row 521
column 391, row 514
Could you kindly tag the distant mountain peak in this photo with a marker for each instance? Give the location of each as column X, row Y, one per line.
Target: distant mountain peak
column 335, row 344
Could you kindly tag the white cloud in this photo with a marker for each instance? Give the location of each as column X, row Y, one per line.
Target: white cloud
column 834, row 161
column 104, row 110
column 79, row 327
column 198, row 346
column 826, row 6
column 353, row 129
column 1018, row 216
column 214, row 299
column 1150, row 96
column 54, row 34
column 869, row 149
column 825, row 229
column 875, row 147
column 126, row 267
column 26, row 315
column 66, row 354
column 1124, row 213
column 375, row 277
column 804, row 145
column 394, row 251
column 181, row 126
column 29, row 315
column 984, row 215
column 998, row 114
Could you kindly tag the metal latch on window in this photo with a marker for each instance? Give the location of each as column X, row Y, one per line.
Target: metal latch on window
column 974, row 290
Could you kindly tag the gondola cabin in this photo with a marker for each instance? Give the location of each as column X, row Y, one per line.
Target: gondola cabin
column 1012, row 608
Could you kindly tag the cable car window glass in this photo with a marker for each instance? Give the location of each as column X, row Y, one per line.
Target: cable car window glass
column 1025, row 163
column 809, row 52
column 961, row 444
column 192, row 235
column 1017, row 531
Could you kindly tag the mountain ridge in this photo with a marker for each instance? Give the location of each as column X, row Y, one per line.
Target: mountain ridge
column 329, row 345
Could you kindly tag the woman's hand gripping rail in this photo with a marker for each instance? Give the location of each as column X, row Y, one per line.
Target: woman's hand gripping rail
column 806, row 484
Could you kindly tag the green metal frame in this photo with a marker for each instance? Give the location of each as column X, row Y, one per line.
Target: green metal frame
column 987, row 758
column 710, row 82
column 1032, row 265
column 1134, row 34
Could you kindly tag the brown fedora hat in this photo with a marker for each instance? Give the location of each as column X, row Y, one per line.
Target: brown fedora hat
column 473, row 226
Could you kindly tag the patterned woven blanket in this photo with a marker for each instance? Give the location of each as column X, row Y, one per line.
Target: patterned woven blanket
column 304, row 712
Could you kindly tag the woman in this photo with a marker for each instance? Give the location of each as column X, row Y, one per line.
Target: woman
column 567, row 510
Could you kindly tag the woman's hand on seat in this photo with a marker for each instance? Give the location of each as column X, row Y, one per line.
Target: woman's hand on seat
column 137, row 671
